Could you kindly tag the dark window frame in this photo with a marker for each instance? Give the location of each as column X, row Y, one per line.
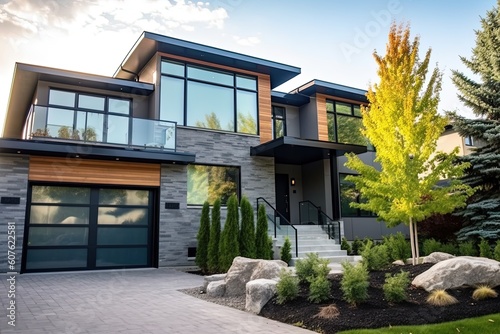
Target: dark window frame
column 469, row 140
column 279, row 117
column 334, row 113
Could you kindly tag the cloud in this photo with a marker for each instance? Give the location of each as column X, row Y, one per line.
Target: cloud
column 247, row 41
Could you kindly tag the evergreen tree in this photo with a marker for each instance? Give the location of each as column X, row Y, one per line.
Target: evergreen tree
column 213, row 243
column 286, row 251
column 203, row 238
column 261, row 239
column 229, row 244
column 403, row 124
column 482, row 96
column 247, row 232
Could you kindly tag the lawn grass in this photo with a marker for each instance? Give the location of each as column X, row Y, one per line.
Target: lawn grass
column 485, row 325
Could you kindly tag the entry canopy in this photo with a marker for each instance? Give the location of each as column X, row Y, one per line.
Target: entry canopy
column 296, row 151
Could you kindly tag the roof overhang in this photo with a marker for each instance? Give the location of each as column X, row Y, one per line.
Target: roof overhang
column 289, row 99
column 328, row 88
column 58, row 149
column 25, row 81
column 149, row 44
column 295, row 151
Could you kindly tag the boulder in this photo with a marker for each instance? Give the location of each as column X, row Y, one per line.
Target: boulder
column 212, row 278
column 398, row 263
column 216, row 288
column 258, row 293
column 460, row 271
column 436, row 257
column 244, row 270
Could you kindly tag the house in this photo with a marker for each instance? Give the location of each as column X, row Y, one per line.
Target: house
column 111, row 172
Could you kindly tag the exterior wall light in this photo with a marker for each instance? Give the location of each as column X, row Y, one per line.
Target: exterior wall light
column 292, row 181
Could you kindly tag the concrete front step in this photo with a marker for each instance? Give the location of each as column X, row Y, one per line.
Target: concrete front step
column 332, row 259
column 315, row 248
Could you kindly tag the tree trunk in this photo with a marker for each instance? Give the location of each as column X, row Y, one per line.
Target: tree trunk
column 412, row 242
column 417, row 251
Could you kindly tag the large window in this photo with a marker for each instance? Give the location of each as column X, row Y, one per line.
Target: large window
column 207, row 183
column 344, row 123
column 349, row 194
column 207, row 98
column 279, row 122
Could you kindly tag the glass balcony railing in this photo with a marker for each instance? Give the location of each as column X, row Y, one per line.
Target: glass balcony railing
column 99, row 128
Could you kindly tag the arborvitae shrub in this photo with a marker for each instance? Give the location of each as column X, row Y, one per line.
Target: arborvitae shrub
column 270, row 248
column 395, row 287
column 203, row 238
column 449, row 248
column 375, row 257
column 319, row 290
column 307, row 268
column 287, row 288
column 354, row 283
column 286, row 251
column 398, row 247
column 356, row 246
column 213, row 243
column 261, row 237
column 496, row 253
column 485, row 249
column 229, row 245
column 430, row 246
column 344, row 245
column 247, row 232
column 467, row 248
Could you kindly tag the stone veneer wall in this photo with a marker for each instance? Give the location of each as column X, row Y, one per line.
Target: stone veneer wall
column 178, row 228
column 13, row 183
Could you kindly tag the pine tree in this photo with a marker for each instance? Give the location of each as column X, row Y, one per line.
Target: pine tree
column 247, row 232
column 229, row 244
column 403, row 124
column 261, row 239
column 482, row 96
column 203, row 238
column 213, row 243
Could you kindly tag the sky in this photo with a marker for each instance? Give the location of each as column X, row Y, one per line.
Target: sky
column 330, row 40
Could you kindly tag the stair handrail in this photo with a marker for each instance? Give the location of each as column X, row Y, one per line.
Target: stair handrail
column 282, row 218
column 322, row 212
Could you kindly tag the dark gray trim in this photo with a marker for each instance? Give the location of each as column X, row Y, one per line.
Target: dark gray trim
column 329, row 88
column 72, row 150
column 296, row 100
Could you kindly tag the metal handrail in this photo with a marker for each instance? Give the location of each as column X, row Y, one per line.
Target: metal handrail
column 321, row 212
column 282, row 219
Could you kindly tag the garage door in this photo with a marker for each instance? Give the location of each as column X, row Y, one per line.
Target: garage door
column 79, row 228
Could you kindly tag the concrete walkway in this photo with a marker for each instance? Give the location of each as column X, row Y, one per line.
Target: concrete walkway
column 125, row 301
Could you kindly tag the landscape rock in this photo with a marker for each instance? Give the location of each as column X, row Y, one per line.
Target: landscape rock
column 244, row 270
column 436, row 257
column 216, row 289
column 258, row 293
column 212, row 278
column 460, row 271
column 398, row 263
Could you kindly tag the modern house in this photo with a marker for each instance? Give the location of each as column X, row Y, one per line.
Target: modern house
column 111, row 172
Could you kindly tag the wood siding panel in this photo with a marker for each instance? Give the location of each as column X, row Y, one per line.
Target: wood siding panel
column 265, row 118
column 74, row 170
column 322, row 117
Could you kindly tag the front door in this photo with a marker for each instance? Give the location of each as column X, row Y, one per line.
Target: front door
column 282, row 195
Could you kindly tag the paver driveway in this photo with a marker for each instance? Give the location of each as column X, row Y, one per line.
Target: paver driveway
column 126, row 301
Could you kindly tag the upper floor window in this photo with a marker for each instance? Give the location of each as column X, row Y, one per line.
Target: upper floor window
column 208, row 98
column 279, row 122
column 469, row 141
column 344, row 123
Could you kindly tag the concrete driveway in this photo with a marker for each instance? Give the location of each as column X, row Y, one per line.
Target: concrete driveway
column 125, row 301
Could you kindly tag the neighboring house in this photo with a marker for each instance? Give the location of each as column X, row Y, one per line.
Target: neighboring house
column 450, row 139
column 111, row 172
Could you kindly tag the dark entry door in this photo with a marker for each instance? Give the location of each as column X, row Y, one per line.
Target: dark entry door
column 282, row 195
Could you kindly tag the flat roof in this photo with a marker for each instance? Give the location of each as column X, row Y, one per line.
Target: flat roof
column 296, row 100
column 332, row 89
column 150, row 43
column 25, row 81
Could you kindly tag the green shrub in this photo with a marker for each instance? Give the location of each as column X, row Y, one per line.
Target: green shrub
column 286, row 251
column 311, row 267
column 467, row 248
column 319, row 290
column 261, row 237
column 287, row 288
column 449, row 248
column 229, row 244
column 354, row 283
column 213, row 243
column 203, row 238
column 496, row 252
column 375, row 257
column 270, row 248
column 247, row 231
column 344, row 245
column 430, row 246
column 485, row 249
column 395, row 287
column 398, row 248
column 357, row 245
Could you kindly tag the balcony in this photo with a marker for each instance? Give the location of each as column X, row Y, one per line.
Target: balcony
column 66, row 124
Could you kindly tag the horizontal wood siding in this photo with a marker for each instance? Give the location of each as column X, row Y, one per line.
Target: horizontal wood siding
column 265, row 119
column 76, row 170
column 322, row 118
